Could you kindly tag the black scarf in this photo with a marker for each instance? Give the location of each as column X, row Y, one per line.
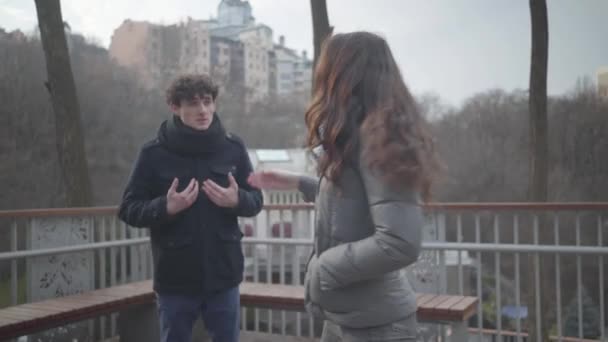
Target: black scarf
column 185, row 140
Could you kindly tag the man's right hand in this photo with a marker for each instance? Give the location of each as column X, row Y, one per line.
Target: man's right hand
column 178, row 201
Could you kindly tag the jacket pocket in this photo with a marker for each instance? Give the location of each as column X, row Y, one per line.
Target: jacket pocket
column 311, row 290
column 178, row 262
column 219, row 174
column 166, row 177
column 230, row 235
column 230, row 263
column 312, row 284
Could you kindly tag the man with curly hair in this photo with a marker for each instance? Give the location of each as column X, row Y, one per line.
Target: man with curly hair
column 188, row 187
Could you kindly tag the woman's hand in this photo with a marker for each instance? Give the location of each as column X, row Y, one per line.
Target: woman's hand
column 274, row 180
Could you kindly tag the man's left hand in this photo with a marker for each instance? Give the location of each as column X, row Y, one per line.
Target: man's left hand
column 223, row 197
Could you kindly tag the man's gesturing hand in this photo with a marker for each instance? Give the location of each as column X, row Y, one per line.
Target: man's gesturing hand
column 178, row 201
column 223, row 197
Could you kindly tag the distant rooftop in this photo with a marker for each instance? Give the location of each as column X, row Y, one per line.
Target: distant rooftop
column 272, row 155
column 290, row 159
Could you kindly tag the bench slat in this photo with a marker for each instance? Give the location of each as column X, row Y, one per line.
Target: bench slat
column 28, row 313
column 16, row 314
column 289, row 297
column 6, row 319
column 447, row 304
column 466, row 308
column 428, row 311
column 53, row 304
column 432, row 304
column 42, row 307
column 424, row 298
column 46, row 314
column 26, row 317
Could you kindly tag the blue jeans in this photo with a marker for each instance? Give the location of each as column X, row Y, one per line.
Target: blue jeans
column 220, row 314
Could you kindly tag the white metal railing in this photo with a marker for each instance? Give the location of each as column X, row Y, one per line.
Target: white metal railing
column 506, row 254
column 550, row 244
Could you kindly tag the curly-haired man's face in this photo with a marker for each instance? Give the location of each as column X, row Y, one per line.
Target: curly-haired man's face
column 196, row 113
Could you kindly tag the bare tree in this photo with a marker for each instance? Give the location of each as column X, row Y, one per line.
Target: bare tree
column 320, row 26
column 539, row 158
column 68, row 127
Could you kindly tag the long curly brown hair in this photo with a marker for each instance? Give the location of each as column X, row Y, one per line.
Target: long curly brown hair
column 359, row 95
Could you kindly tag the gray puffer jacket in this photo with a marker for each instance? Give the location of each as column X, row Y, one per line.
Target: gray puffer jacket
column 366, row 233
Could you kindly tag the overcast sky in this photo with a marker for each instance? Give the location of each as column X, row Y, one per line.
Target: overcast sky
column 454, row 48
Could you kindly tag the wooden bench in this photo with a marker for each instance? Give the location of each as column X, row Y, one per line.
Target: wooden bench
column 30, row 318
column 446, row 309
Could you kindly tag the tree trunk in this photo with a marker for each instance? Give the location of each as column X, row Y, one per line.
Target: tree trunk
column 538, row 102
column 539, row 158
column 68, row 127
column 320, row 26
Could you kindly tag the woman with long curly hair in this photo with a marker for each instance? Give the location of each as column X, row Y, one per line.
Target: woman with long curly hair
column 376, row 163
